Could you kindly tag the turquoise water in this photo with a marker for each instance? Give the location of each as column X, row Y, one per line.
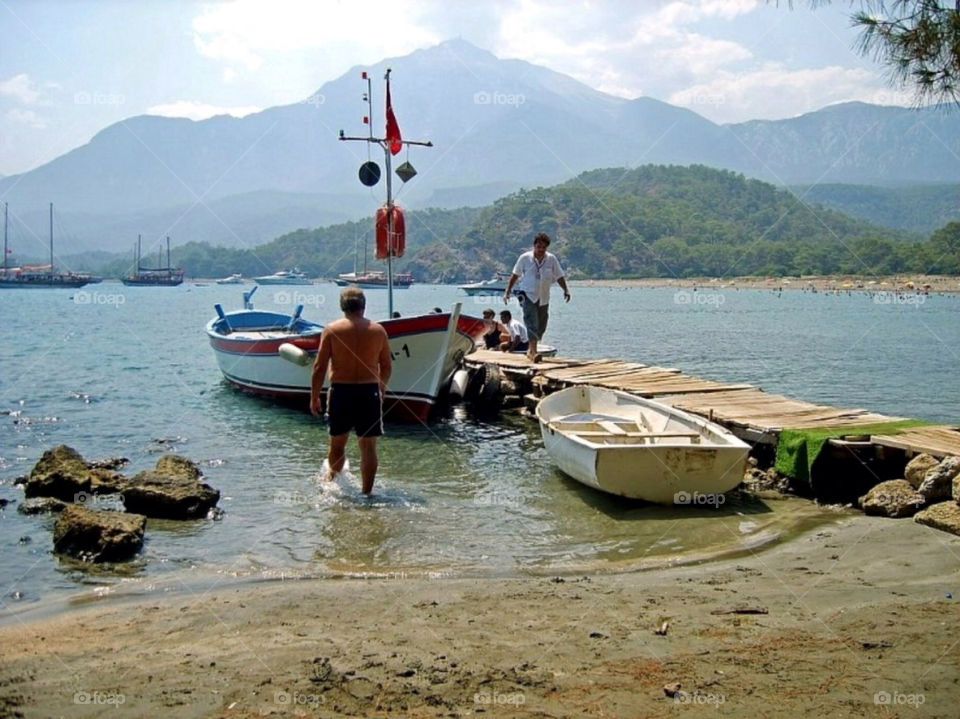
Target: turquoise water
column 128, row 371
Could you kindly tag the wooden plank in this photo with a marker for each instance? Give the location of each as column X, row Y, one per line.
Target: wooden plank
column 938, row 440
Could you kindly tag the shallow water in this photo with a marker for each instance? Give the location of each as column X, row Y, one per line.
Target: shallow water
column 129, row 372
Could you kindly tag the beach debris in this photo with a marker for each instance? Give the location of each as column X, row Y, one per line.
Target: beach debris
column 870, row 644
column 63, row 473
column 41, row 505
column 918, row 467
column 938, row 482
column 662, row 629
column 741, row 610
column 672, row 690
column 598, row 635
column 944, row 516
column 172, row 490
column 893, row 498
column 98, row 535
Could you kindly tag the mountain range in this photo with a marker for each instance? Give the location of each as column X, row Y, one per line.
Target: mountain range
column 496, row 125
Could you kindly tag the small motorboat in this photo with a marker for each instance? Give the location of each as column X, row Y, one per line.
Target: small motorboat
column 635, row 447
column 284, row 277
column 496, row 285
column 235, row 279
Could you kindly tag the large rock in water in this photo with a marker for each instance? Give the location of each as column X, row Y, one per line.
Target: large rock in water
column 918, row 467
column 63, row 473
column 171, row 491
column 938, row 482
column 98, row 536
column 945, row 516
column 895, row 498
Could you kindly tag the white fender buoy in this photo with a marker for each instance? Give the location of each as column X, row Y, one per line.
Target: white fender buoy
column 458, row 385
column 292, row 353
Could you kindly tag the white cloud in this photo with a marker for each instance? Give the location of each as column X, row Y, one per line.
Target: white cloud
column 774, row 92
column 26, row 117
column 198, row 110
column 245, row 32
column 21, row 88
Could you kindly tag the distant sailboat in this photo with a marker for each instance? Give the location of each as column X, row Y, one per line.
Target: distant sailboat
column 37, row 276
column 157, row 276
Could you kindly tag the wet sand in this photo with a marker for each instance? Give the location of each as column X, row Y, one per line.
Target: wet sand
column 854, row 619
column 825, row 283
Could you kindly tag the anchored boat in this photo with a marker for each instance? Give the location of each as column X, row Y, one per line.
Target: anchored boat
column 635, row 447
column 271, row 354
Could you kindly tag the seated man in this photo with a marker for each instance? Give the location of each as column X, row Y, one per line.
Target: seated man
column 517, row 334
column 492, row 330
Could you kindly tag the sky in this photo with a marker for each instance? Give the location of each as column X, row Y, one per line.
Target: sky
column 69, row 68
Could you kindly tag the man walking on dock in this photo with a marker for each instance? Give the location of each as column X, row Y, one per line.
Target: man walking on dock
column 536, row 270
column 358, row 353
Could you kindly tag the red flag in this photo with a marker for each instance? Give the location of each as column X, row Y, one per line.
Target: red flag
column 393, row 129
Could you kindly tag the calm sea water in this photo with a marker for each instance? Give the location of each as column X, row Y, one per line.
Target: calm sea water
column 112, row 370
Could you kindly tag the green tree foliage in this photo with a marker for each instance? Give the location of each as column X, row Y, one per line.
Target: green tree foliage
column 651, row 221
column 917, row 40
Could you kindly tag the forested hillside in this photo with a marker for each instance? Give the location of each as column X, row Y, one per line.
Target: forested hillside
column 652, row 221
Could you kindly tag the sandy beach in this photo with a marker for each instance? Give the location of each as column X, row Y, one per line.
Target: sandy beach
column 825, row 283
column 857, row 618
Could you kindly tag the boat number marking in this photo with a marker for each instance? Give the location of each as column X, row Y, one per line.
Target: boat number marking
column 405, row 350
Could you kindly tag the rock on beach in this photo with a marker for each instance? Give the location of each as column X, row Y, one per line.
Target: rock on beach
column 894, row 498
column 98, row 536
column 918, row 467
column 937, row 483
column 172, row 490
column 944, row 516
column 63, row 473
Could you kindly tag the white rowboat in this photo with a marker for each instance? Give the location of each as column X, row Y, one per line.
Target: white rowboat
column 635, row 447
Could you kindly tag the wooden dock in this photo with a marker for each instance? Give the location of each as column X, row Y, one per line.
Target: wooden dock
column 749, row 412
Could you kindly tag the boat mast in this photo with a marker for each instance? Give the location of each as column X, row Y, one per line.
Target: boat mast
column 387, row 155
column 6, row 209
column 51, row 239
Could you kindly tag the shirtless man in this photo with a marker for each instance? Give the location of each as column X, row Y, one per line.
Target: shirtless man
column 358, row 354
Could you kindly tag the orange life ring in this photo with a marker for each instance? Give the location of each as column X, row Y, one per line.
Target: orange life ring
column 386, row 247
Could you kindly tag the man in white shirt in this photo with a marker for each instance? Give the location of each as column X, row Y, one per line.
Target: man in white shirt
column 536, row 270
column 518, row 339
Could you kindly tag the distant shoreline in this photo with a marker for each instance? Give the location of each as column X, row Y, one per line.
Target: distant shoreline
column 825, row 283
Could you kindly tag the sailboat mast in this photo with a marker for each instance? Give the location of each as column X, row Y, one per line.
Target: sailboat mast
column 168, row 254
column 51, row 238
column 6, row 209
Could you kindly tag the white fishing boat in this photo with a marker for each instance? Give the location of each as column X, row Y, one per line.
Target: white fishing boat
column 235, row 279
column 634, row 447
column 271, row 354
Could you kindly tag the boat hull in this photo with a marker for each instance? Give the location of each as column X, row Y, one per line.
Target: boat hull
column 425, row 355
column 671, row 458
